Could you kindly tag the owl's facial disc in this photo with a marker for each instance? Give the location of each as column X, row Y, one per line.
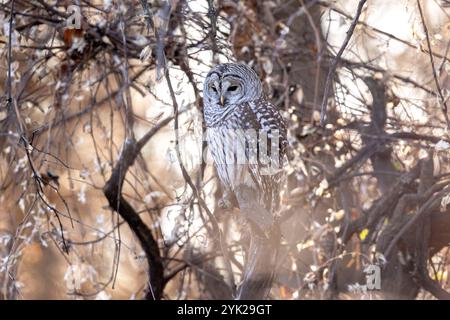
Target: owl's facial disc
column 224, row 91
column 230, row 91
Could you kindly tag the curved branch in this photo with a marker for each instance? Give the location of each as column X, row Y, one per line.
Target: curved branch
column 113, row 192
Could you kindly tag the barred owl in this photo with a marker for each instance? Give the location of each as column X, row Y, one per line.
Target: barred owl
column 246, row 137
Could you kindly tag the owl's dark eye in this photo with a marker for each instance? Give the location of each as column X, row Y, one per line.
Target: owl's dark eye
column 213, row 89
column 232, row 88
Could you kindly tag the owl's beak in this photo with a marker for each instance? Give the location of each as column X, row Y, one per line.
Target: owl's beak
column 222, row 100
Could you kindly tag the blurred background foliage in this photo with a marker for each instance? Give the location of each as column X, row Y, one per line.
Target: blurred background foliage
column 99, row 202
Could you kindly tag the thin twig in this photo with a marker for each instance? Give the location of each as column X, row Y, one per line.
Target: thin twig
column 326, row 4
column 212, row 13
column 332, row 70
column 9, row 88
column 438, row 86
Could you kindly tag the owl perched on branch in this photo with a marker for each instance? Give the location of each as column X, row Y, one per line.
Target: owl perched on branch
column 246, row 136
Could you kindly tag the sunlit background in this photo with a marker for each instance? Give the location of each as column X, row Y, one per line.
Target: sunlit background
column 73, row 93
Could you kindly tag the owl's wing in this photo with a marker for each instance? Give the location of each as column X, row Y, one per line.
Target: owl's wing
column 267, row 172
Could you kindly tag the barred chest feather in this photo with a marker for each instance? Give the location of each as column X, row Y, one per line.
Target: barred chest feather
column 233, row 140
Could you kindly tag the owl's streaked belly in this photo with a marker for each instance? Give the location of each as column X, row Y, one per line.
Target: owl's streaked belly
column 232, row 155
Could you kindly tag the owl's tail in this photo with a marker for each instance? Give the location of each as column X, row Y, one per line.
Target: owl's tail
column 260, row 267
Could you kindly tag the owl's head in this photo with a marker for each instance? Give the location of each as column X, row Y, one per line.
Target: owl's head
column 228, row 85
